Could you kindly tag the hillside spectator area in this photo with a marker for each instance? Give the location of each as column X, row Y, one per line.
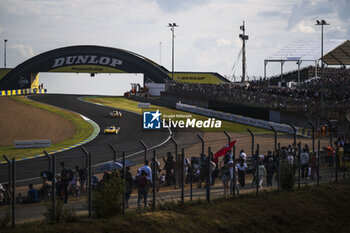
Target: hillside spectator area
column 305, row 97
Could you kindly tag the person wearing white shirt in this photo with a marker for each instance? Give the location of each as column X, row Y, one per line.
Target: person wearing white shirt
column 290, row 159
column 148, row 171
column 243, row 156
column 242, row 168
column 304, row 160
column 2, row 191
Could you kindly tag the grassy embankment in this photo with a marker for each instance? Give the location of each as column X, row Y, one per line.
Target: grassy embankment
column 83, row 131
column 131, row 105
column 312, row 209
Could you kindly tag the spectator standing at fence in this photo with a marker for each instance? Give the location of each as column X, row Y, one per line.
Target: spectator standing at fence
column 187, row 165
column 82, row 177
column 242, row 169
column 267, row 157
column 270, row 170
column 147, row 170
column 330, row 153
column 243, row 155
column 2, row 191
column 203, row 170
column 262, row 173
column 169, row 168
column 255, row 158
column 94, row 181
column 178, row 171
column 65, row 178
column 142, row 185
column 74, row 185
column 212, row 168
column 233, row 175
column 304, row 160
column 225, row 170
column 313, row 164
column 128, row 186
column 158, row 169
column 295, row 162
column 215, row 173
column 227, row 157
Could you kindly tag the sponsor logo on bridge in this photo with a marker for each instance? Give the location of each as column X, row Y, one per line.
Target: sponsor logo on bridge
column 87, row 60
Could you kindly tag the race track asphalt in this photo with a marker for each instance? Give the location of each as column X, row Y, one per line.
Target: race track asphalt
column 127, row 140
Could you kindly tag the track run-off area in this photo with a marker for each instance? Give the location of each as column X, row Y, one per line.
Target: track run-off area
column 127, row 140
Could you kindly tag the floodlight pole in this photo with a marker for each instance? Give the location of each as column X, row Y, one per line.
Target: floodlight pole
column 172, row 26
column 5, row 41
column 322, row 23
column 244, row 37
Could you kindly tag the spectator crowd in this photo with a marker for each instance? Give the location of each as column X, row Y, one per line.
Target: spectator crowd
column 231, row 170
column 335, row 85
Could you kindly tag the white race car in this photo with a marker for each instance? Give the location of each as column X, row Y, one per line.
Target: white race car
column 116, row 114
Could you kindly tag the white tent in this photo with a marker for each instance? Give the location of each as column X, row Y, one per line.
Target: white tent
column 336, row 52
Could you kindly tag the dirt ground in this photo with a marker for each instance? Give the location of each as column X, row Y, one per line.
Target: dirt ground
column 20, row 121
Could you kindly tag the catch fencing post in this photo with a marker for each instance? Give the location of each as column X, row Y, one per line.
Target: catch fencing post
column 252, row 134
column 53, row 183
column 191, row 181
column 114, row 152
column 330, row 125
column 49, row 158
column 299, row 164
column 234, row 171
column 145, row 148
column 208, row 175
column 202, row 139
column 124, row 175
column 279, row 166
column 13, row 192
column 88, row 156
column 318, row 162
column 9, row 170
column 176, row 158
column 336, row 163
column 313, row 135
column 344, row 167
column 90, row 186
column 154, row 180
column 294, row 133
column 348, row 127
column 53, row 189
column 228, row 137
column 257, row 171
column 182, row 176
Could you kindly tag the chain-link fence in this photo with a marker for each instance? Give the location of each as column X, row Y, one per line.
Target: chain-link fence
column 188, row 167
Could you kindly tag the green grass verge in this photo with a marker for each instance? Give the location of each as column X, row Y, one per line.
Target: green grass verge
column 83, row 131
column 311, row 209
column 131, row 105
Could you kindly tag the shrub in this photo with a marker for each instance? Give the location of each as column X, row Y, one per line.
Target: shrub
column 107, row 200
column 63, row 213
column 6, row 219
column 287, row 176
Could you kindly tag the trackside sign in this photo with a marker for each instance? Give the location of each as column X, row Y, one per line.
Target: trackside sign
column 33, row 143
